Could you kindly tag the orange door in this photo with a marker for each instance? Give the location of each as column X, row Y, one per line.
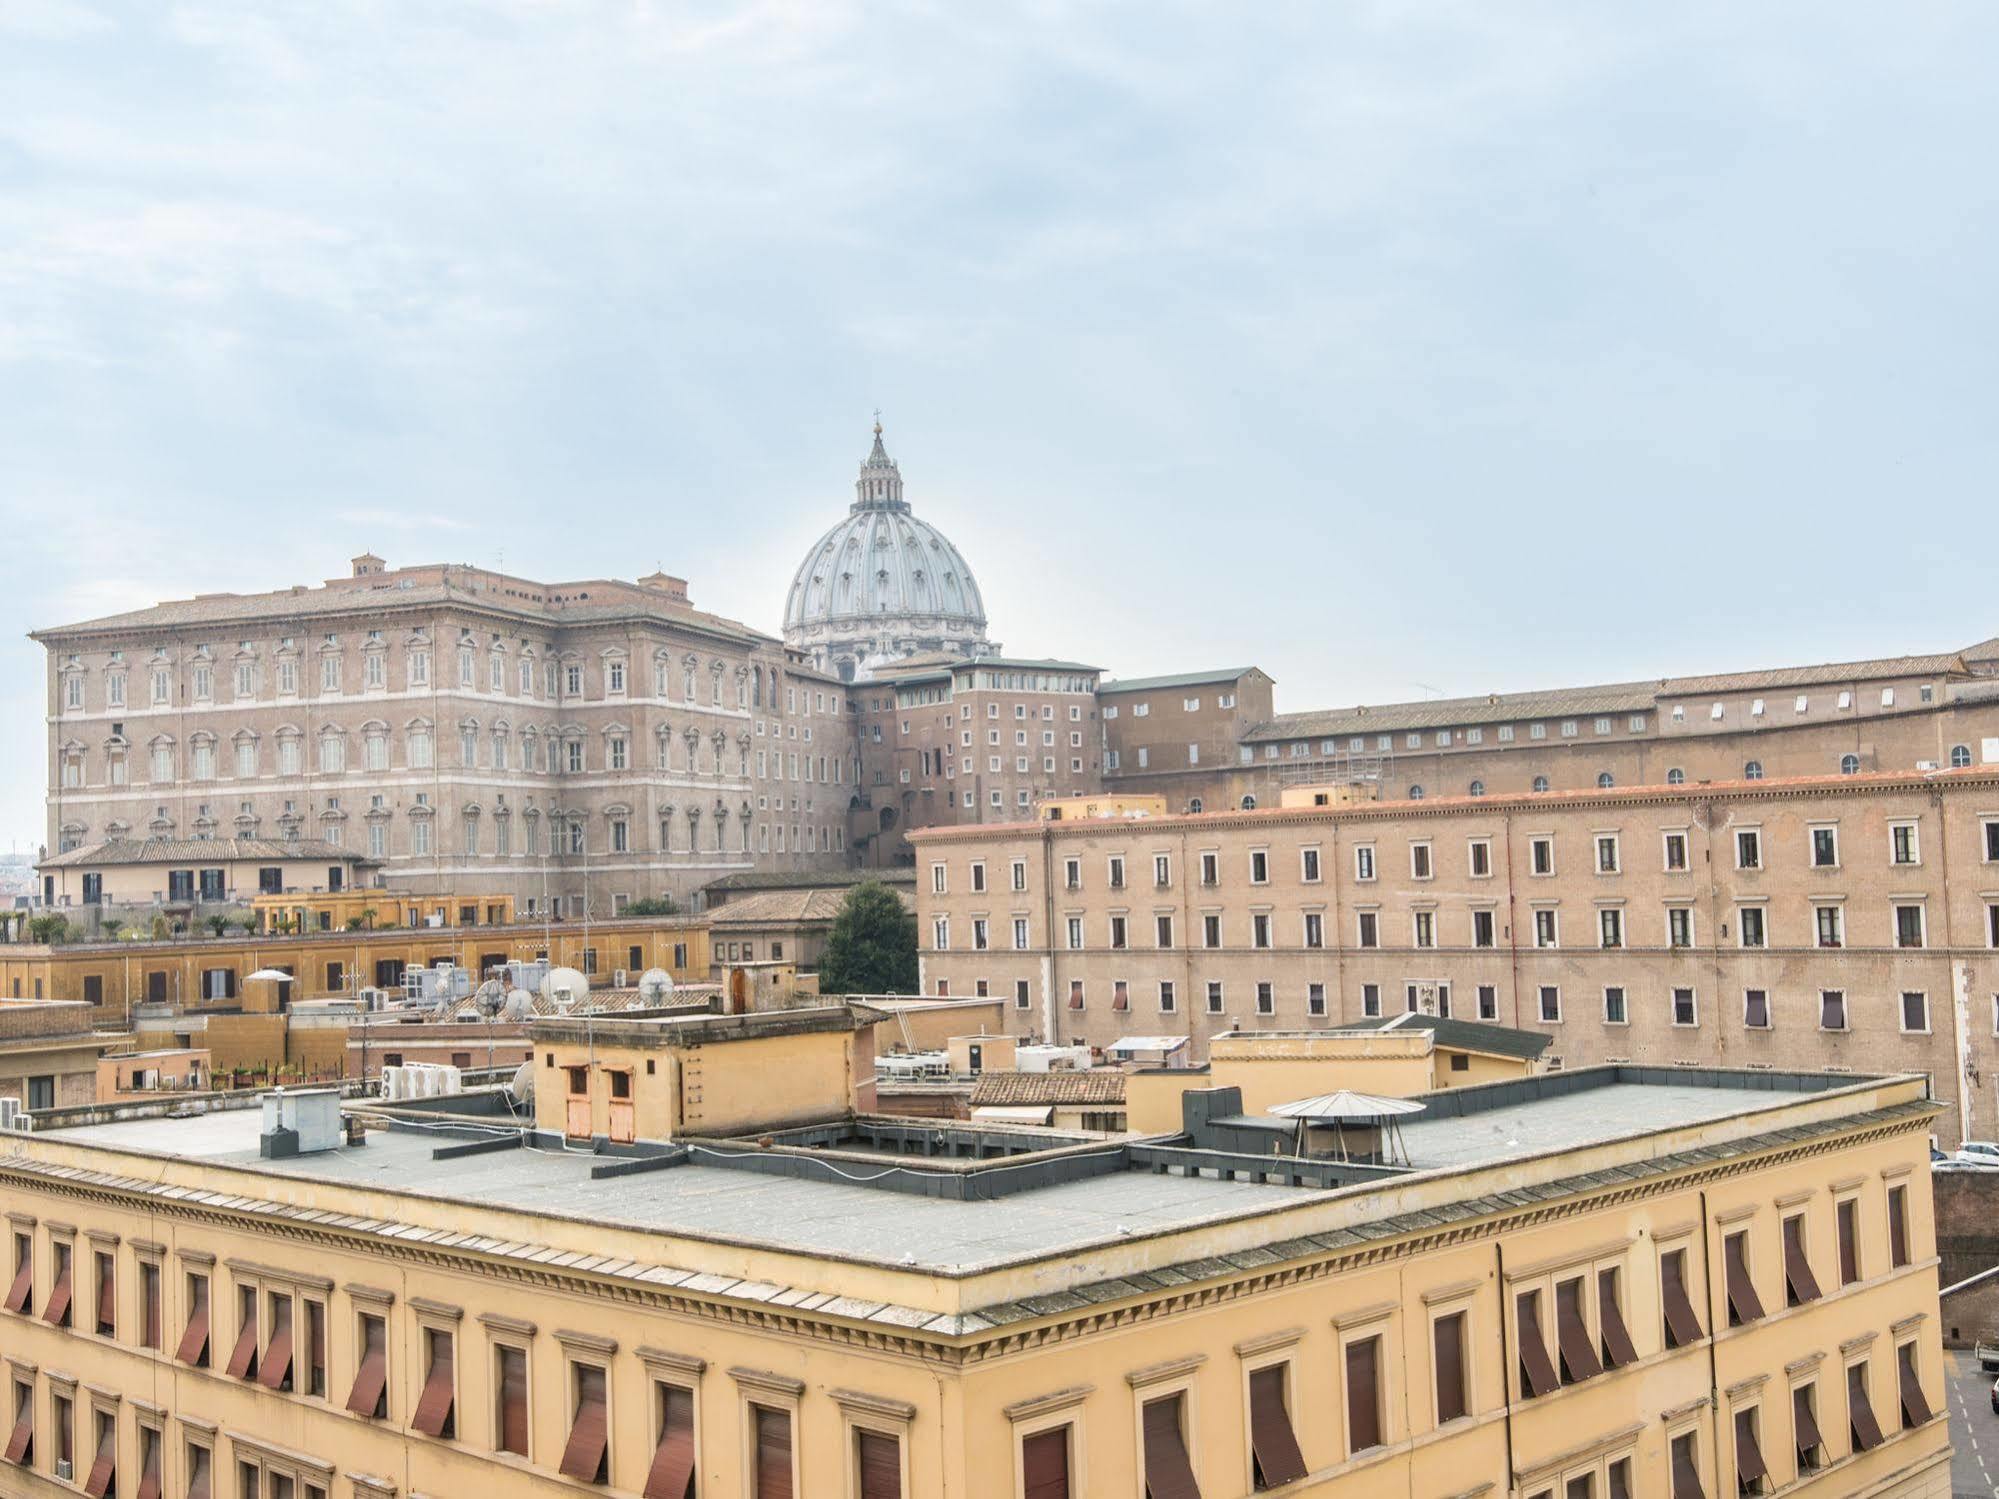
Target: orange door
column 623, row 1130
column 578, row 1125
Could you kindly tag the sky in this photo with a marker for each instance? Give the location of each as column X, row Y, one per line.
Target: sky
column 1395, row 348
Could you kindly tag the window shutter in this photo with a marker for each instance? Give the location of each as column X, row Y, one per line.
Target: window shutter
column 881, row 1465
column 1898, row 1227
column 149, row 1471
column 1866, row 1431
column 672, row 1473
column 194, row 1342
column 1686, row 1477
column 198, row 1463
column 149, row 1312
column 513, row 1401
column 58, row 1307
column 1044, row 1465
column 107, row 1293
column 433, row 1406
column 1682, row 1326
column 372, row 1378
column 1749, row 1464
column 1798, row 1275
column 1617, row 1349
column 1364, row 1394
column 1849, row 1234
column 23, row 1435
column 278, row 1356
column 1449, row 1340
column 1805, row 1424
column 773, row 1435
column 23, row 1286
column 243, row 1357
column 1915, row 1409
column 1579, row 1360
column 583, row 1456
column 1537, row 1373
column 104, row 1469
column 1742, row 1301
column 1168, row 1474
column 1272, row 1440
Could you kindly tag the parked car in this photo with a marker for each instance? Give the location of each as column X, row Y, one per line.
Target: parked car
column 1980, row 1152
column 1987, row 1355
column 1995, row 1397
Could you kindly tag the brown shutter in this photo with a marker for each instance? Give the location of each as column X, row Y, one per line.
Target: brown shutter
column 1898, row 1227
column 277, row 1365
column 1620, row 1480
column 23, row 1286
column 433, row 1406
column 672, row 1474
column 194, row 1342
column 1915, row 1409
column 149, row 1472
column 1044, row 1465
column 1682, row 1326
column 583, row 1455
column 1537, row 1374
column 1849, row 1249
column 1617, row 1349
column 98, row 1484
column 1686, row 1477
column 1579, row 1360
column 514, row 1401
column 773, row 1433
column 1742, row 1303
column 197, row 1473
column 1449, row 1340
column 1168, row 1474
column 881, row 1465
column 1749, row 1464
column 1804, row 1424
column 1364, row 1394
column 1271, row 1438
column 107, row 1292
column 1798, row 1277
column 1075, row 994
column 243, row 1357
column 58, row 1307
column 373, row 1375
column 1866, row 1430
column 24, row 1432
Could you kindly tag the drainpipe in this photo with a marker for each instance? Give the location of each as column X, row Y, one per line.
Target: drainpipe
column 1713, row 1372
column 1505, row 1359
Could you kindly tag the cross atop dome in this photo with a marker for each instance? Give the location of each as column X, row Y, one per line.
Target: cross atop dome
column 880, row 484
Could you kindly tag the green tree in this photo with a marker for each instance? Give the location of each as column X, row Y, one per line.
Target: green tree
column 50, row 930
column 872, row 947
column 652, row 905
column 111, row 926
column 218, row 924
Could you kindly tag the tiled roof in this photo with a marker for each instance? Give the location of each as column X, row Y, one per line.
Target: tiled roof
column 771, row 879
column 1104, row 1085
column 198, row 851
column 1182, row 679
column 1950, row 663
column 1440, row 713
column 773, row 906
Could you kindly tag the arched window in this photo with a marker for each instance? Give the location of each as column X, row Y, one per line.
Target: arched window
column 1540, row 783
column 1478, row 788
column 1194, row 804
column 1249, row 804
column 1960, row 756
column 1849, row 765
column 1753, row 771
column 1676, row 777
column 1415, row 793
column 1605, row 780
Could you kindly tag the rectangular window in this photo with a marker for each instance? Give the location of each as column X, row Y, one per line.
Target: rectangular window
column 1908, row 1378
column 1315, row 929
column 436, row 1405
column 1676, row 852
column 1679, row 926
column 1751, row 1473
column 1481, row 857
column 1825, row 848
column 1259, row 929
column 1898, row 1227
column 1748, row 849
column 1908, row 926
column 1419, row 861
column 1541, row 853
column 1259, row 867
column 1488, row 1001
column 1370, row 999
column 586, row 1453
column 1915, row 1012
column 770, row 1434
column 1685, row 1012
column 1617, row 1348
column 1168, row 1470
column 1862, row 1429
column 1425, row 928
column 1756, row 1009
column 1545, row 929
column 1800, row 1285
column 369, row 1397
column 1828, row 925
column 1363, row 1369
column 1315, row 999
column 1214, row 996
column 1273, row 1442
column 1575, row 1346
column 1044, row 1464
column 1363, row 861
column 1447, row 1336
column 21, row 1437
column 1551, row 1004
column 57, row 1313
column 1805, row 1436
column 1369, row 924
column 1749, row 925
column 1606, row 853
column 1481, row 929
column 1832, row 1009
column 1610, row 927
column 1537, row 1370
column 107, row 1295
column 1902, row 847
column 1682, row 1326
column 1613, row 1006
column 1166, row 999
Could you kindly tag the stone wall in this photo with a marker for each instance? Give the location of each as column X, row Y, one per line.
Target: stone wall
column 1967, row 1219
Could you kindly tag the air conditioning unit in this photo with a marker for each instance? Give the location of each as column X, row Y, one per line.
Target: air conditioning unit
column 15, row 1116
column 65, row 1470
column 618, row 980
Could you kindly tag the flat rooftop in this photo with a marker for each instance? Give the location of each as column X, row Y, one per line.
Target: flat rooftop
column 1135, row 1187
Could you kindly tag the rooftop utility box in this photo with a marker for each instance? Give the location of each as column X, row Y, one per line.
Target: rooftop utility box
column 301, row 1122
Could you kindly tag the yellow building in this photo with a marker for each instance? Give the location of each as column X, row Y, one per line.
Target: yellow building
column 1608, row 1283
column 371, row 907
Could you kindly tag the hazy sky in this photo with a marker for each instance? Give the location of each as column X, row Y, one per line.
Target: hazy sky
column 1392, row 347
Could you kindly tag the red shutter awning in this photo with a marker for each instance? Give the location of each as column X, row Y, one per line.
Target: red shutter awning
column 1617, row 1349
column 1044, row 1465
column 58, row 1308
column 1686, row 1477
column 1860, row 1413
column 373, row 1375
column 880, row 1459
column 433, row 1406
column 23, row 1434
column 1682, row 1326
column 194, row 1342
column 197, row 1473
column 1579, row 1360
column 1915, row 1408
column 672, row 1472
column 22, row 1288
column 107, row 1294
column 584, row 1452
column 98, row 1484
column 1168, row 1473
column 277, row 1364
column 1537, row 1371
column 1798, row 1277
column 149, row 1474
column 1743, row 1304
column 243, row 1357
column 773, row 1453
column 1749, row 1464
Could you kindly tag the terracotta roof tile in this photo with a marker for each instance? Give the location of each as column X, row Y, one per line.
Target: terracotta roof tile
column 998, row 1089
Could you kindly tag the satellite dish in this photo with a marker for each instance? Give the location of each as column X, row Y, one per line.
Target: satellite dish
column 565, row 986
column 491, row 994
column 655, row 986
column 520, row 1088
column 518, row 1006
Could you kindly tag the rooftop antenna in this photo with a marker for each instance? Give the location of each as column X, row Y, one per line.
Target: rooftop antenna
column 1426, row 687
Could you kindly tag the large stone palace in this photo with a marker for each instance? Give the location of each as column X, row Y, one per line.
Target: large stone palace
column 593, row 743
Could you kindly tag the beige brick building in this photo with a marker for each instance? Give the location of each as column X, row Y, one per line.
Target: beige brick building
column 460, row 726
column 1836, row 921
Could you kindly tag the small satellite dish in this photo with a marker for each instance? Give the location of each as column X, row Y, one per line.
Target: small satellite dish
column 565, row 986
column 519, row 1005
column 520, row 1088
column 655, row 986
